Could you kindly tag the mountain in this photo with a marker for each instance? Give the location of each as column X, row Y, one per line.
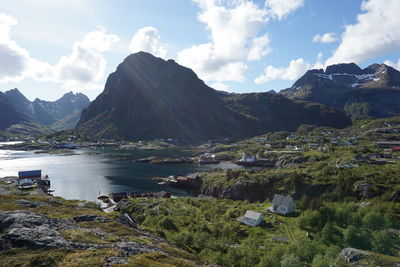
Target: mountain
column 373, row 91
column 149, row 98
column 61, row 114
column 275, row 112
column 13, row 121
column 9, row 115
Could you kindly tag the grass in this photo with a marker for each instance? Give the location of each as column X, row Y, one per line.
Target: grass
column 114, row 232
column 83, row 236
column 156, row 260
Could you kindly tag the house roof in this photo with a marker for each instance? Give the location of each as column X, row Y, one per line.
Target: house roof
column 34, row 173
column 252, row 215
column 282, row 200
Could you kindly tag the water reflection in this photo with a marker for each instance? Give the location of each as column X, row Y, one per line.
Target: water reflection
column 93, row 172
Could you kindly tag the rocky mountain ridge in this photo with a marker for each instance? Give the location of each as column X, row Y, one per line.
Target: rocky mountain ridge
column 373, row 91
column 150, row 98
column 12, row 121
column 61, row 114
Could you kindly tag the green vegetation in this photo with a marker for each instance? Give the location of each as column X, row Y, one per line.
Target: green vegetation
column 208, row 228
column 90, row 232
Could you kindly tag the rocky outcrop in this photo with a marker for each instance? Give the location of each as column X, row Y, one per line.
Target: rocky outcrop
column 352, row 255
column 26, row 228
column 23, row 228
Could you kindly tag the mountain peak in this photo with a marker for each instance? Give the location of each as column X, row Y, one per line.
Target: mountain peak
column 343, row 68
column 15, row 93
column 372, row 91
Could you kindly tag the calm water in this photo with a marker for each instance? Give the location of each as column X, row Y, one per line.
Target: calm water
column 85, row 176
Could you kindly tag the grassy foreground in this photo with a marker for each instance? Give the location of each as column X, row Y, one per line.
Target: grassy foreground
column 208, row 228
column 114, row 231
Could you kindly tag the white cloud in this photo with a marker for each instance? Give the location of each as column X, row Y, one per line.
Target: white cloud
column 319, row 64
column 86, row 63
column 220, row 86
column 14, row 59
column 282, row 8
column 234, row 26
column 326, row 38
column 376, row 33
column 83, row 67
column 147, row 40
column 393, row 64
column 259, row 48
column 295, row 69
column 235, row 37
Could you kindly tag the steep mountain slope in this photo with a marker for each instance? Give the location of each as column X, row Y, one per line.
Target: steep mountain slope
column 20, row 102
column 148, row 98
column 9, row 115
column 373, row 91
column 12, row 121
column 275, row 112
column 61, row 114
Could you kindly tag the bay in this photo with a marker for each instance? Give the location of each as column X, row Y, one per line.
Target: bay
column 93, row 172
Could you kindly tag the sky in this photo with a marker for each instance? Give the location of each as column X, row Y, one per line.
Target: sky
column 50, row 47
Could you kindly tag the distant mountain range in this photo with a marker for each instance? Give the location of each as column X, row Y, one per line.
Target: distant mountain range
column 148, row 97
column 61, row 114
column 13, row 121
column 370, row 92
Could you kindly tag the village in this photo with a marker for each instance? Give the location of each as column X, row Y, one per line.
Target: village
column 281, row 193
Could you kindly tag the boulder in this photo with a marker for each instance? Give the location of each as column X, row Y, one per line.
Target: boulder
column 352, row 255
column 26, row 228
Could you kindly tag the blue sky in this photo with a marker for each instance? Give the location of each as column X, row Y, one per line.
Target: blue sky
column 49, row 47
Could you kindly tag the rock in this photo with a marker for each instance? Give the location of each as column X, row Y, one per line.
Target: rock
column 127, row 220
column 115, row 260
column 132, row 248
column 91, row 218
column 30, row 204
column 37, row 237
column 30, row 229
column 352, row 254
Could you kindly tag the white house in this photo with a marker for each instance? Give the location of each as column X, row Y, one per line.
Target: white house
column 283, row 205
column 251, row 218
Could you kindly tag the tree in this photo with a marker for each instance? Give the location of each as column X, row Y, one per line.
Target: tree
column 323, row 261
column 310, row 218
column 373, row 221
column 356, row 238
column 291, row 260
column 382, row 242
column 329, row 234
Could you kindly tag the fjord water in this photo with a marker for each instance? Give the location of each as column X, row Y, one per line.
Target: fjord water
column 91, row 173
